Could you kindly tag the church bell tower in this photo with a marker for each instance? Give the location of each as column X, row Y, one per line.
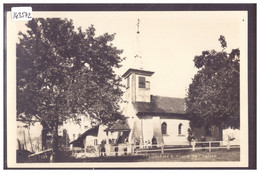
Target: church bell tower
column 138, row 85
column 138, row 81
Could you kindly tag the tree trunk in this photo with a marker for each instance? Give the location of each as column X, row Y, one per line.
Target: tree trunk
column 55, row 142
column 220, row 133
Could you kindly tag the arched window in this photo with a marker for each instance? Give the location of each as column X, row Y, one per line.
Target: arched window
column 179, row 128
column 164, row 128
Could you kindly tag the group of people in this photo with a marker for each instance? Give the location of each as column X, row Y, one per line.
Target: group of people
column 154, row 142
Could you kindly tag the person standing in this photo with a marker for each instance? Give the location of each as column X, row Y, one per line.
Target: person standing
column 154, row 142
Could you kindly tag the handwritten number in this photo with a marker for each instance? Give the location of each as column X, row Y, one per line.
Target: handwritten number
column 20, row 15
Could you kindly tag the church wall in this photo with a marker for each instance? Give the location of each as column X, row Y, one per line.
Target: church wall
column 133, row 122
column 144, row 129
column 136, row 132
column 172, row 137
column 157, row 132
column 147, row 126
column 151, row 126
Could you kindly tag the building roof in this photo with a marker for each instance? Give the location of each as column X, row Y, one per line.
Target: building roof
column 120, row 125
column 90, row 132
column 137, row 71
column 162, row 105
column 24, row 118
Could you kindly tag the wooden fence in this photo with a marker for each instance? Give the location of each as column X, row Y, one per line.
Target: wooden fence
column 207, row 145
column 130, row 149
column 42, row 155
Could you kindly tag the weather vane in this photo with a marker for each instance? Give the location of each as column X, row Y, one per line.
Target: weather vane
column 138, row 57
column 138, row 21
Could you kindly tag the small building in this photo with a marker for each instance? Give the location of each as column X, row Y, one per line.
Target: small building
column 29, row 137
column 101, row 138
column 29, row 134
column 73, row 128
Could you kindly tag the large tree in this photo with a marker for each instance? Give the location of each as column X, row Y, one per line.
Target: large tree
column 213, row 96
column 63, row 72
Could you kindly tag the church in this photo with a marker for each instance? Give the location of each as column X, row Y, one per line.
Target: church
column 150, row 116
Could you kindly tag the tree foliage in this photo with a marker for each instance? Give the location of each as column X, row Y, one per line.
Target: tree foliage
column 213, row 96
column 63, row 72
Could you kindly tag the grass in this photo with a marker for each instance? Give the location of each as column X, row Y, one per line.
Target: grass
column 173, row 156
column 197, row 156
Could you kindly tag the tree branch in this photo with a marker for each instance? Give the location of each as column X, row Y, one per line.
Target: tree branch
column 233, row 69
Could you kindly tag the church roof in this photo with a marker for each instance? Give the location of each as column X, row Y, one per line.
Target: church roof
column 163, row 105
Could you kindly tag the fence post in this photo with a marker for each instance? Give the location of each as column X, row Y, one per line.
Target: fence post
column 228, row 144
column 162, row 147
column 51, row 157
column 193, row 145
column 210, row 146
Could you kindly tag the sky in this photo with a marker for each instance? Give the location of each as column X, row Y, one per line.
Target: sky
column 167, row 43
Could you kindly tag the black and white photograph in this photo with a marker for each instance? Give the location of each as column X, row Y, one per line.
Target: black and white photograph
column 143, row 88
